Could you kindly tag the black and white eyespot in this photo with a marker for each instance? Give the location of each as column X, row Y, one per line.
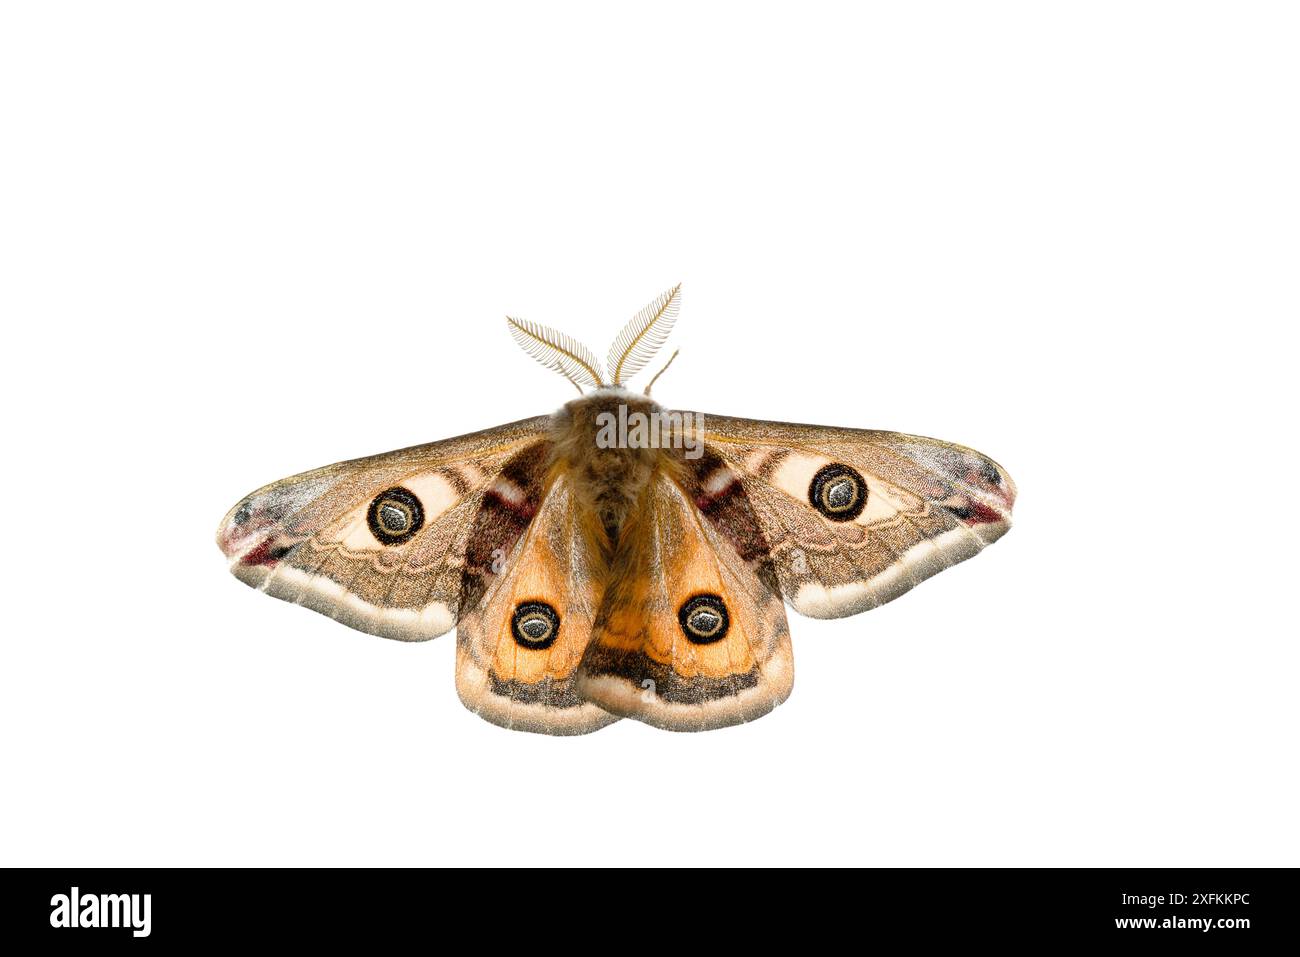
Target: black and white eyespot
column 395, row 515
column 704, row 619
column 535, row 625
column 242, row 514
column 838, row 492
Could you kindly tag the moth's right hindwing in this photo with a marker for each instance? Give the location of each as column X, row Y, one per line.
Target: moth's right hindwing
column 382, row 543
column 690, row 634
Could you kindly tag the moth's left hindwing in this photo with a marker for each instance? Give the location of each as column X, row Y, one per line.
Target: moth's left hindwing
column 518, row 648
column 388, row 544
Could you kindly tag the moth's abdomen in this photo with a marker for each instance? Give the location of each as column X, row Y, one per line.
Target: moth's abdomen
column 611, row 483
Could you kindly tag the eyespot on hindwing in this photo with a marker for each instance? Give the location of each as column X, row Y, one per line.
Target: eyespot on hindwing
column 704, row 619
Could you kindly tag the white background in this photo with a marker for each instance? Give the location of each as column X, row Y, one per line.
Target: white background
column 241, row 240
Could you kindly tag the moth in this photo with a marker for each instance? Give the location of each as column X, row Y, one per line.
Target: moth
column 617, row 559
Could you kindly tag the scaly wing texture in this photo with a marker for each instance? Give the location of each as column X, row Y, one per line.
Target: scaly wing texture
column 690, row 635
column 518, row 650
column 852, row 518
column 384, row 544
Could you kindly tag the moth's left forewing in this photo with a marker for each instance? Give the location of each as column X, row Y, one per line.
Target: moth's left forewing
column 310, row 538
column 854, row 518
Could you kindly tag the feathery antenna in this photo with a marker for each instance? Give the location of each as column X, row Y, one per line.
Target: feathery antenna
column 557, row 351
column 642, row 337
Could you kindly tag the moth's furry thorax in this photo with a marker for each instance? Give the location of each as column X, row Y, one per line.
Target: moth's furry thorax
column 607, row 481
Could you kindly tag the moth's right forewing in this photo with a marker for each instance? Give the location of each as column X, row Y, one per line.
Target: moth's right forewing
column 920, row 505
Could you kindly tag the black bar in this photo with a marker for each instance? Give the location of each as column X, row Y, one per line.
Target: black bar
column 1231, row 908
